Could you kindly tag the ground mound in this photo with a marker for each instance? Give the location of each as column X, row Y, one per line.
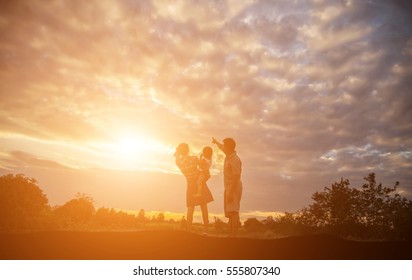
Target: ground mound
column 181, row 245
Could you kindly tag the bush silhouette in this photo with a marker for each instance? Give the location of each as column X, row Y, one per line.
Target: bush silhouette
column 219, row 225
column 253, row 225
column 106, row 218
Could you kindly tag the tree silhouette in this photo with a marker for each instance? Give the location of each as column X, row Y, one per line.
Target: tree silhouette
column 23, row 206
column 376, row 203
column 160, row 218
column 335, row 208
column 372, row 211
column 76, row 212
column 141, row 217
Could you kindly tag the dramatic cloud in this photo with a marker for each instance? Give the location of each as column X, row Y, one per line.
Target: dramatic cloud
column 312, row 90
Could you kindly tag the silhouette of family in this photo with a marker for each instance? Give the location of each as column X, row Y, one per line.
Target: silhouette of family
column 197, row 172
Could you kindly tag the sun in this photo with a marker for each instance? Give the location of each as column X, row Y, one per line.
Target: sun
column 130, row 145
column 130, row 149
column 133, row 151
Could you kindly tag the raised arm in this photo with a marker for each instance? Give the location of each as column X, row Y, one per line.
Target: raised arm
column 218, row 144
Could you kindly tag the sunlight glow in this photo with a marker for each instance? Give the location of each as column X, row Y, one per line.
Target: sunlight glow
column 132, row 145
column 132, row 151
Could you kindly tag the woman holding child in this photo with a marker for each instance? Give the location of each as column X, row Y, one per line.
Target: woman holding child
column 196, row 172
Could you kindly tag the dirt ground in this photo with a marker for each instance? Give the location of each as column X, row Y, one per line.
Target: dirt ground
column 181, row 245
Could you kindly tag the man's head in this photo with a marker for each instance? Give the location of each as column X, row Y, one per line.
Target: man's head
column 182, row 149
column 229, row 145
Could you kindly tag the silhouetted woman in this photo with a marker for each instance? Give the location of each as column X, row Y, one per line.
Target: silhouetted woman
column 189, row 167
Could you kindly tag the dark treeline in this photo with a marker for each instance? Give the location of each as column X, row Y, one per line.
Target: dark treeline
column 369, row 212
column 24, row 207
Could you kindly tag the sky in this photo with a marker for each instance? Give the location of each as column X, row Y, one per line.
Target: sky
column 96, row 95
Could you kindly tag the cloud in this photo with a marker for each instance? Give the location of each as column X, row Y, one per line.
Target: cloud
column 19, row 159
column 312, row 90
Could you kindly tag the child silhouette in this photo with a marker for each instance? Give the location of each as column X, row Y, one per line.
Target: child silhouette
column 205, row 162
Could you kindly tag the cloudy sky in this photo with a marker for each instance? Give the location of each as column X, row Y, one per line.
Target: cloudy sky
column 95, row 95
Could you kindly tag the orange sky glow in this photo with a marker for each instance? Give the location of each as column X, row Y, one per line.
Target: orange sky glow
column 96, row 95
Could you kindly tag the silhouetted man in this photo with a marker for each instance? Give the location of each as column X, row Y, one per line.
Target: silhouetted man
column 232, row 182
